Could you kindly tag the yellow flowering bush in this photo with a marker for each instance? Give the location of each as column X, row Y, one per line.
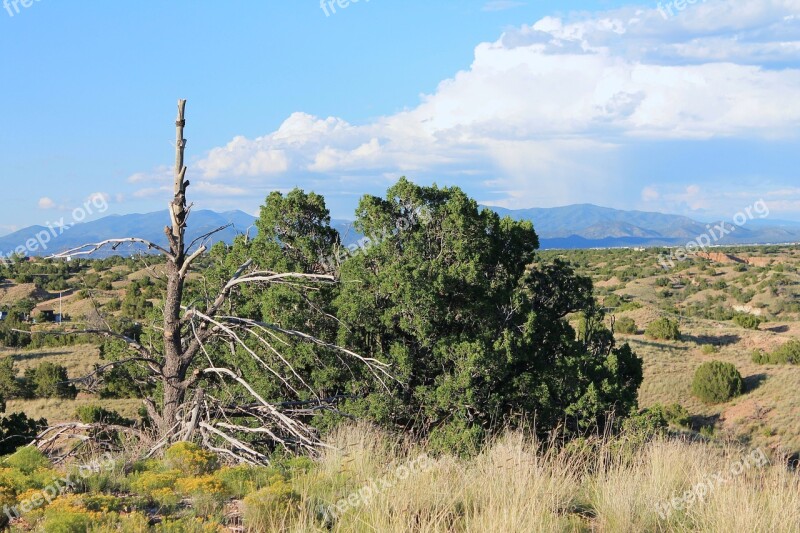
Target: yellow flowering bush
column 68, row 514
column 190, row 459
column 202, row 484
column 104, row 503
column 148, row 482
column 166, row 499
column 14, row 479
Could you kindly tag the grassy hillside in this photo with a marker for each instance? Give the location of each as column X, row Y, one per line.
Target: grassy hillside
column 708, row 474
column 701, row 294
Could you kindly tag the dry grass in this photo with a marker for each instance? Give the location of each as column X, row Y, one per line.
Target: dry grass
column 79, row 359
column 516, row 486
column 57, row 410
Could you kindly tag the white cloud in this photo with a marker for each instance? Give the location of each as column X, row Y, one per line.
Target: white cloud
column 538, row 116
column 46, row 203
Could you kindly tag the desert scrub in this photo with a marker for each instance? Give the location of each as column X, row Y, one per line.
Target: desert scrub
column 747, row 321
column 717, row 382
column 663, row 329
column 102, row 503
column 15, row 480
column 26, row 459
column 165, row 499
column 709, row 349
column 626, row 325
column 148, row 482
column 200, row 484
column 787, row 354
column 7, row 500
column 135, row 522
column 190, row 525
column 190, row 459
column 239, row 481
column 273, row 508
column 67, row 514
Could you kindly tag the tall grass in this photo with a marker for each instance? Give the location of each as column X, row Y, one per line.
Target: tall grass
column 516, row 484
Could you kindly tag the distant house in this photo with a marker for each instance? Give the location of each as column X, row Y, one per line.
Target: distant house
column 47, row 315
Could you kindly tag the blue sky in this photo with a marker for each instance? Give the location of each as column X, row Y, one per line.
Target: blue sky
column 522, row 104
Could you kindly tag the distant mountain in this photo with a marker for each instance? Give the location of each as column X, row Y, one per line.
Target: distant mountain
column 149, row 226
column 592, row 226
column 573, row 226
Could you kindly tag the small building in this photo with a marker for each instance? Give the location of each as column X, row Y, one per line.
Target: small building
column 47, row 315
column 3, row 315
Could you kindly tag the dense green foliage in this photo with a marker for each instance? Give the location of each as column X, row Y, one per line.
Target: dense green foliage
column 717, row 382
column 94, row 414
column 49, row 380
column 626, row 325
column 16, row 430
column 786, row 354
column 663, row 329
column 747, row 321
column 477, row 330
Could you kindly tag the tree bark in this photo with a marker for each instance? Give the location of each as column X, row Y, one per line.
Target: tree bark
column 175, row 365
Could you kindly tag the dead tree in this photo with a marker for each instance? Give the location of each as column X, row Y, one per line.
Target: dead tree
column 188, row 411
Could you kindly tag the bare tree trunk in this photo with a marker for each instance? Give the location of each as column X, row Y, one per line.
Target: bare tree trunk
column 174, row 365
column 188, row 332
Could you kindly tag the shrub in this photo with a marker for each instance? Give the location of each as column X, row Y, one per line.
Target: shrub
column 50, row 381
column 67, row 522
column 9, row 386
column 708, row 349
column 190, row 459
column 190, row 525
column 240, row 481
column 272, row 508
column 94, row 414
column 677, row 415
column 68, row 515
column 646, row 423
column 717, row 382
column 626, row 326
column 166, row 499
column 663, row 329
column 201, row 484
column 747, row 321
column 147, row 483
column 787, row 354
column 7, row 500
column 18, row 430
column 26, row 460
column 103, row 503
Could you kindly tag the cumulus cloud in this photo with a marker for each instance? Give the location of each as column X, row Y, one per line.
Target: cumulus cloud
column 539, row 116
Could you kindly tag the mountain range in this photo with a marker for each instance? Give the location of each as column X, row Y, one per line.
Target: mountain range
column 573, row 226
